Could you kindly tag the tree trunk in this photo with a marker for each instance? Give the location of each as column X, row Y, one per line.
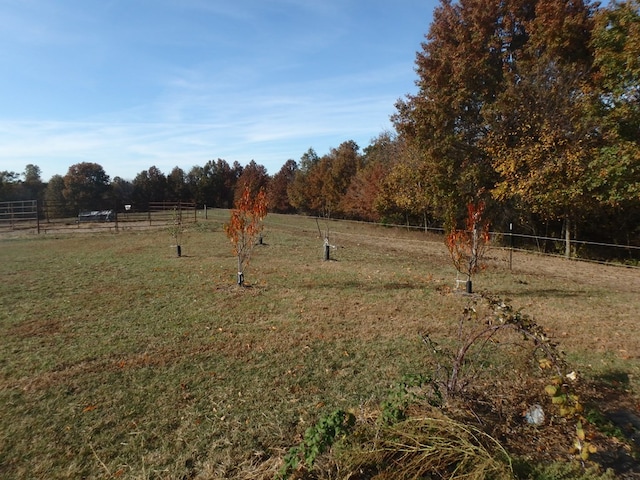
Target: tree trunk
column 240, row 274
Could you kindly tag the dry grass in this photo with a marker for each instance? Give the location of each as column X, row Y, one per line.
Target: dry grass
column 120, row 360
column 427, row 446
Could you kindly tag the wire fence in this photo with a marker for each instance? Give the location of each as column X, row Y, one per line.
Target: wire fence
column 584, row 250
column 33, row 216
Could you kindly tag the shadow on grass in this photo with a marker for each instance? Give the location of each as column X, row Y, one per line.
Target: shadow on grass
column 615, row 415
column 543, row 292
column 365, row 286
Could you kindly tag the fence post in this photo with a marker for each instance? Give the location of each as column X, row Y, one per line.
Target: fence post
column 510, row 246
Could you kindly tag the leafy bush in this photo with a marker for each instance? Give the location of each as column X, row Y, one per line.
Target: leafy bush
column 317, row 439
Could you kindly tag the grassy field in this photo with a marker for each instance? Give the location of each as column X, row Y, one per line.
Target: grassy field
column 120, row 360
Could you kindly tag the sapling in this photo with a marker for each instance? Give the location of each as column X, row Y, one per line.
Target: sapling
column 245, row 226
column 176, row 229
column 326, row 246
column 467, row 247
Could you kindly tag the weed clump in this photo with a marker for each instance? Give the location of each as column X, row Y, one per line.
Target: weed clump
column 471, row 416
column 428, row 445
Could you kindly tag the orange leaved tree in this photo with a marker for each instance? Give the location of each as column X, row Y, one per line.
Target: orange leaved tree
column 467, row 247
column 245, row 225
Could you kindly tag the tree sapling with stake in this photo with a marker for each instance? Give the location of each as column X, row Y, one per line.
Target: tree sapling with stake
column 245, row 226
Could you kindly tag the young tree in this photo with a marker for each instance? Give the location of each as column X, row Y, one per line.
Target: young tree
column 467, row 247
column 245, row 225
column 176, row 229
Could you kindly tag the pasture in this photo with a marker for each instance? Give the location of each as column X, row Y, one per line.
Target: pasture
column 120, row 360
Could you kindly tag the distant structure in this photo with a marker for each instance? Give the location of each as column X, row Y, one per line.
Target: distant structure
column 96, row 216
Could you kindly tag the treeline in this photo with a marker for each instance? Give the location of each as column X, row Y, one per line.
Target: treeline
column 529, row 106
column 327, row 185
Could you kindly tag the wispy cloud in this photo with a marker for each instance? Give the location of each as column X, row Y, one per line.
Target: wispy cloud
column 179, row 82
column 269, row 130
column 197, row 118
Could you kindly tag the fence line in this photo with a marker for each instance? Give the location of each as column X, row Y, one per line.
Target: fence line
column 556, row 239
column 20, row 215
column 632, row 256
column 30, row 215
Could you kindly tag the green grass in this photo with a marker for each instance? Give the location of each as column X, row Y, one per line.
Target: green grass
column 118, row 359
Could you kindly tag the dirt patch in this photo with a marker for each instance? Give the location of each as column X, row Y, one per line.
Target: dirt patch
column 36, row 328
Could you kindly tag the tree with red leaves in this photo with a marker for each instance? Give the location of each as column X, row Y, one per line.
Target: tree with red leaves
column 245, row 226
column 468, row 246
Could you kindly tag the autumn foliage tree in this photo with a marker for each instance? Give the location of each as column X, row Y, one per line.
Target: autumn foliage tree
column 245, row 225
column 277, row 191
column 320, row 184
column 541, row 139
column 505, row 89
column 615, row 178
column 460, row 70
column 362, row 199
column 467, row 246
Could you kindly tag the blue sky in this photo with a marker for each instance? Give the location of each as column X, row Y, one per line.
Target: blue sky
column 130, row 84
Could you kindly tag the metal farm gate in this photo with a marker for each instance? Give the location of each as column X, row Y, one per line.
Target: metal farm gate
column 19, row 215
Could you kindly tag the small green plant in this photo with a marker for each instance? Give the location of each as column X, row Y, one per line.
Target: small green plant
column 317, row 439
column 410, row 389
column 604, row 425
